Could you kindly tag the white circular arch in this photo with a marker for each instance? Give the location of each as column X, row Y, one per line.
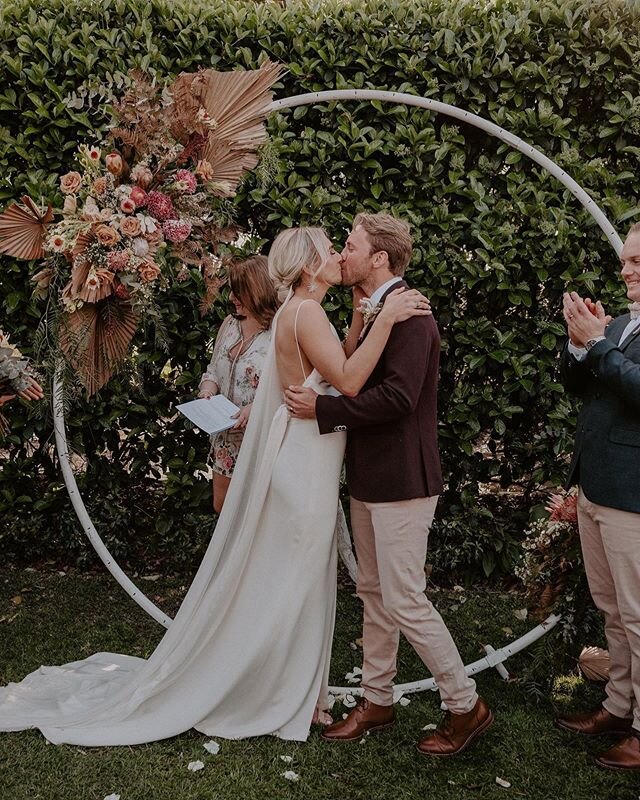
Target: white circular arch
column 493, row 658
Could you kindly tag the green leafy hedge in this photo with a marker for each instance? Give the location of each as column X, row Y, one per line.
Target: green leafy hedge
column 497, row 239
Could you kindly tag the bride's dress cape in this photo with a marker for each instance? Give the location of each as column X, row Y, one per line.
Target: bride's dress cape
column 248, row 652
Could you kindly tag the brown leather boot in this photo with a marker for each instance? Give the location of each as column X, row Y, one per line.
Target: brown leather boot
column 456, row 731
column 595, row 723
column 366, row 716
column 624, row 755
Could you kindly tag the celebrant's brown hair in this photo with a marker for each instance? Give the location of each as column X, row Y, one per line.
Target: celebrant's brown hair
column 251, row 283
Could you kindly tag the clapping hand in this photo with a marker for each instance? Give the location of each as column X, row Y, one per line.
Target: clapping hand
column 585, row 319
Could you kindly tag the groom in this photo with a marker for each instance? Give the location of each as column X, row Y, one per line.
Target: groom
column 394, row 479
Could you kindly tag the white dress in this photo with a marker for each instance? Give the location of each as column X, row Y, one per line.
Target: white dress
column 248, row 652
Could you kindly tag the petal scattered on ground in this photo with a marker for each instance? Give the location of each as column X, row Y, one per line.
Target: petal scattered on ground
column 194, row 766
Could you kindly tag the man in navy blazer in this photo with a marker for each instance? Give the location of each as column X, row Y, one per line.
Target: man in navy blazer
column 601, row 365
column 394, row 479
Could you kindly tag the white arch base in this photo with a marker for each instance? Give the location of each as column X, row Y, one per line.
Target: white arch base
column 493, row 658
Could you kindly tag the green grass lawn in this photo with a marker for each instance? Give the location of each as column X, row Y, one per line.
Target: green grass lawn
column 65, row 617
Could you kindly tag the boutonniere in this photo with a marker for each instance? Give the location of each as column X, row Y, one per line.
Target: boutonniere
column 368, row 310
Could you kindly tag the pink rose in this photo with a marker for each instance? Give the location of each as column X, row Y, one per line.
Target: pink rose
column 148, row 271
column 70, row 183
column 130, row 226
column 127, row 205
column 107, row 235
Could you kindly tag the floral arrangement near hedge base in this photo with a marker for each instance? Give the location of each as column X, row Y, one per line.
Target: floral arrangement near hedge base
column 552, row 570
column 155, row 196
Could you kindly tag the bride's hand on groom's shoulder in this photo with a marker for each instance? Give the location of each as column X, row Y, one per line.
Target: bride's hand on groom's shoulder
column 300, row 402
column 401, row 304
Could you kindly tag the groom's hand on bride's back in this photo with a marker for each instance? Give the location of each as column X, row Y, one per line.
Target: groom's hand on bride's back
column 300, row 402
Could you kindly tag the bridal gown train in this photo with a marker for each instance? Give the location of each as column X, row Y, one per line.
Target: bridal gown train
column 248, row 651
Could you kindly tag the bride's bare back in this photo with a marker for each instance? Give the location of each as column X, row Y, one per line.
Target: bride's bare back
column 291, row 361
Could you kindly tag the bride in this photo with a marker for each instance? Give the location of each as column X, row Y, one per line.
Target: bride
column 248, row 651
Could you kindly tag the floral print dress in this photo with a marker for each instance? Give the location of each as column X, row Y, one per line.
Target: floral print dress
column 237, row 377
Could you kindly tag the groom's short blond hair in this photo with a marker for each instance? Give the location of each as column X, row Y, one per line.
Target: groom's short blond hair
column 388, row 234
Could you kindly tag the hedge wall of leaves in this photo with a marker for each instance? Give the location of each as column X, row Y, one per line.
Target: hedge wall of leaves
column 497, row 239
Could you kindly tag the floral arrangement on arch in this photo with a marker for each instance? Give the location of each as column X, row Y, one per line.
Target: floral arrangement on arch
column 155, row 194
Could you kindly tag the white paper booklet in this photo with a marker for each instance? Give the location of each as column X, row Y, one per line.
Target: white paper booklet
column 212, row 415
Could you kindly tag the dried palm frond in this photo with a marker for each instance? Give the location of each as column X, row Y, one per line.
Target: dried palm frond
column 228, row 165
column 22, row 229
column 238, row 103
column 594, row 663
column 96, row 338
column 214, row 278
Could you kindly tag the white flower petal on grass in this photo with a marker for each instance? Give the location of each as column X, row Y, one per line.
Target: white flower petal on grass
column 349, row 701
column 194, row 766
column 404, row 701
column 521, row 613
column 112, row 797
column 290, row 775
column 430, row 727
column 286, row 759
column 355, row 676
column 503, row 783
column 212, row 747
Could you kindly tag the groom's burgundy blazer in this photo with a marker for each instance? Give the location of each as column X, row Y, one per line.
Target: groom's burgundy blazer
column 392, row 446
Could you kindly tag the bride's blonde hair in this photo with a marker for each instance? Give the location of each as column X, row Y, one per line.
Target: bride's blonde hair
column 293, row 250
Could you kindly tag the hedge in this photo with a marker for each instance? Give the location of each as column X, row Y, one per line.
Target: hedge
column 496, row 238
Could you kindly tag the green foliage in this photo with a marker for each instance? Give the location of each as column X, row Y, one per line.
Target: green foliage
column 497, row 239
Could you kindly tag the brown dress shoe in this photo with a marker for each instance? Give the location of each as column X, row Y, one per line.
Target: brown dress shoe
column 457, row 731
column 624, row 755
column 594, row 723
column 366, row 716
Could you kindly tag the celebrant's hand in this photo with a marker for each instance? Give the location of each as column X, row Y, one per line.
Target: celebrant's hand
column 300, row 402
column 6, row 398
column 207, row 390
column 243, row 417
column 32, row 392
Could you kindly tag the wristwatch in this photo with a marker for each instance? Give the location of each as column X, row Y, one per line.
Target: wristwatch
column 591, row 342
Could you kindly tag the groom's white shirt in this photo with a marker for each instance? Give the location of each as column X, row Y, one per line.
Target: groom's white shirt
column 379, row 292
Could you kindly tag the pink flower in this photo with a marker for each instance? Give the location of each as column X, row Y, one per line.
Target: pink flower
column 127, row 205
column 57, row 244
column 186, row 181
column 130, row 226
column 159, row 205
column 139, row 196
column 107, row 235
column 100, row 185
column 114, row 163
column 94, row 154
column 142, row 176
column 121, row 292
column 70, row 183
column 148, row 271
column 118, row 260
column 176, row 230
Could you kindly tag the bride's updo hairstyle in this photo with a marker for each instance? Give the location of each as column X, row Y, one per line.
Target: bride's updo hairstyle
column 293, row 250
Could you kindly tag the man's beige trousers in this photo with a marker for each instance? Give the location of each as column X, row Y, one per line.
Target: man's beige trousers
column 611, row 549
column 391, row 546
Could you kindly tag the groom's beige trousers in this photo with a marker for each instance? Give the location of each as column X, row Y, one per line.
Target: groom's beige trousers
column 611, row 548
column 391, row 547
